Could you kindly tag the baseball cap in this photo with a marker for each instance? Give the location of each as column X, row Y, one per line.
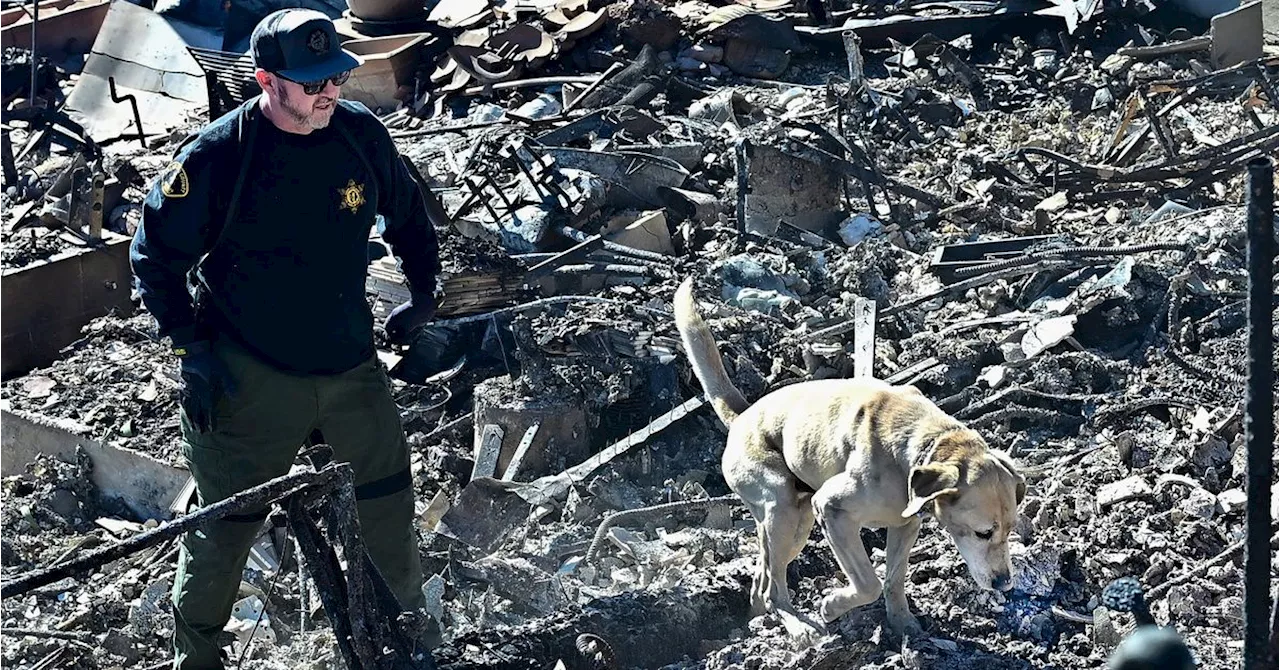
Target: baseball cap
column 301, row 45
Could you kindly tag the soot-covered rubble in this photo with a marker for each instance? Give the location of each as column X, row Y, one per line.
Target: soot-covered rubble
column 1105, row 353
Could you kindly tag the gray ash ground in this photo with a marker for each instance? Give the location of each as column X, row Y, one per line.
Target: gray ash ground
column 1073, row 545
column 48, row 516
column 24, row 247
column 461, row 254
column 117, row 381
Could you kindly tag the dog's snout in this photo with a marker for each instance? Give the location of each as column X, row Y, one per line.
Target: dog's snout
column 1001, row 582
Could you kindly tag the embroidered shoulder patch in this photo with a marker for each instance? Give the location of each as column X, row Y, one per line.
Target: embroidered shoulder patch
column 351, row 196
column 174, row 182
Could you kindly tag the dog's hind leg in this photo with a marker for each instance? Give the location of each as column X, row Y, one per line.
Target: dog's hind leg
column 804, row 506
column 766, row 486
column 760, row 586
column 837, row 507
column 786, row 518
column 897, row 552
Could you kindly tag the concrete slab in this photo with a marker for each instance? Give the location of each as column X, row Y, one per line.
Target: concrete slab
column 46, row 304
column 146, row 486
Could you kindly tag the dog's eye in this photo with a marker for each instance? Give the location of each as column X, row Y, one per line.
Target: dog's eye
column 984, row 534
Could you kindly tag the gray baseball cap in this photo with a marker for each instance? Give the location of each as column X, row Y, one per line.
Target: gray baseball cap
column 301, row 45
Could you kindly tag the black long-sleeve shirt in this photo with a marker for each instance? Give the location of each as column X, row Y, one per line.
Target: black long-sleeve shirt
column 286, row 278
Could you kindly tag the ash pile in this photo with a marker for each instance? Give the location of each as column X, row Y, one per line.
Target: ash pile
column 1032, row 212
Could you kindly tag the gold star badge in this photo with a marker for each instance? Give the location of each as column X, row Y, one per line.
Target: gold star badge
column 351, row 196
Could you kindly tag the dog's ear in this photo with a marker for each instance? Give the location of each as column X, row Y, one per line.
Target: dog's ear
column 928, row 482
column 1020, row 491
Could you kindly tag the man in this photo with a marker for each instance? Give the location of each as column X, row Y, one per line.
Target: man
column 252, row 256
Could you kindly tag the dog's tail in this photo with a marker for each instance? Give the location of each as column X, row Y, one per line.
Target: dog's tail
column 700, row 345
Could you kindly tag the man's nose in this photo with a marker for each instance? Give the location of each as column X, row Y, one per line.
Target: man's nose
column 1001, row 582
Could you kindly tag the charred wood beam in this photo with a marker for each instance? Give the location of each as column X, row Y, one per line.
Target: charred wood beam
column 1153, row 122
column 575, row 253
column 377, row 626
column 371, row 631
column 6, row 158
column 253, row 498
column 322, row 565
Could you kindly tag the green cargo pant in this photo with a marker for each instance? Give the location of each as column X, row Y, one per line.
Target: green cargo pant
column 256, row 436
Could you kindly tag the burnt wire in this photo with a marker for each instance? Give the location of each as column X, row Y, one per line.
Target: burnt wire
column 288, row 546
column 1177, row 286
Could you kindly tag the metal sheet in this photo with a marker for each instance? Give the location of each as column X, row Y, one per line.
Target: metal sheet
column 148, row 59
column 1237, row 36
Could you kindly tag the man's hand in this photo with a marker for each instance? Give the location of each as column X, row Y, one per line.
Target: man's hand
column 205, row 379
column 409, row 317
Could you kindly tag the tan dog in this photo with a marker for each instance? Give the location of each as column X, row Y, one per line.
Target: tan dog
column 855, row 453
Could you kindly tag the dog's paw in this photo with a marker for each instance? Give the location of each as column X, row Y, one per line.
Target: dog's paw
column 905, row 625
column 803, row 630
column 837, row 603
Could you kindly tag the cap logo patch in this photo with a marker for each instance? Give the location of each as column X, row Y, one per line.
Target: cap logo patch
column 351, row 197
column 318, row 41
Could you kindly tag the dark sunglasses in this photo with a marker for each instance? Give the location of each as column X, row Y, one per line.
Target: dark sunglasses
column 314, row 87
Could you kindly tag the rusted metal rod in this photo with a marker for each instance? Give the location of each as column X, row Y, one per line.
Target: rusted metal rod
column 133, row 104
column 1259, row 423
column 618, row 517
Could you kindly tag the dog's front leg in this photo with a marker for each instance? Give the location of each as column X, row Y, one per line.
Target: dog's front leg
column 837, row 507
column 897, row 552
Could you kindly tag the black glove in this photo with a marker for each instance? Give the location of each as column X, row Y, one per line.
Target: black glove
column 205, row 379
column 404, row 320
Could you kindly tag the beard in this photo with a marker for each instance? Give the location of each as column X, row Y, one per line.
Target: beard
column 311, row 111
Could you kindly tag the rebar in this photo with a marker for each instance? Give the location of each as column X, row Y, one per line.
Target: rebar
column 133, row 105
column 1041, row 417
column 1259, row 423
column 1069, row 252
column 958, row 288
column 618, row 517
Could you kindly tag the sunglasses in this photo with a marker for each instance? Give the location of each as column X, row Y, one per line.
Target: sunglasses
column 314, row 87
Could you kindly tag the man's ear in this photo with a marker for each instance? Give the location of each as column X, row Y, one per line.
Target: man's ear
column 928, row 482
